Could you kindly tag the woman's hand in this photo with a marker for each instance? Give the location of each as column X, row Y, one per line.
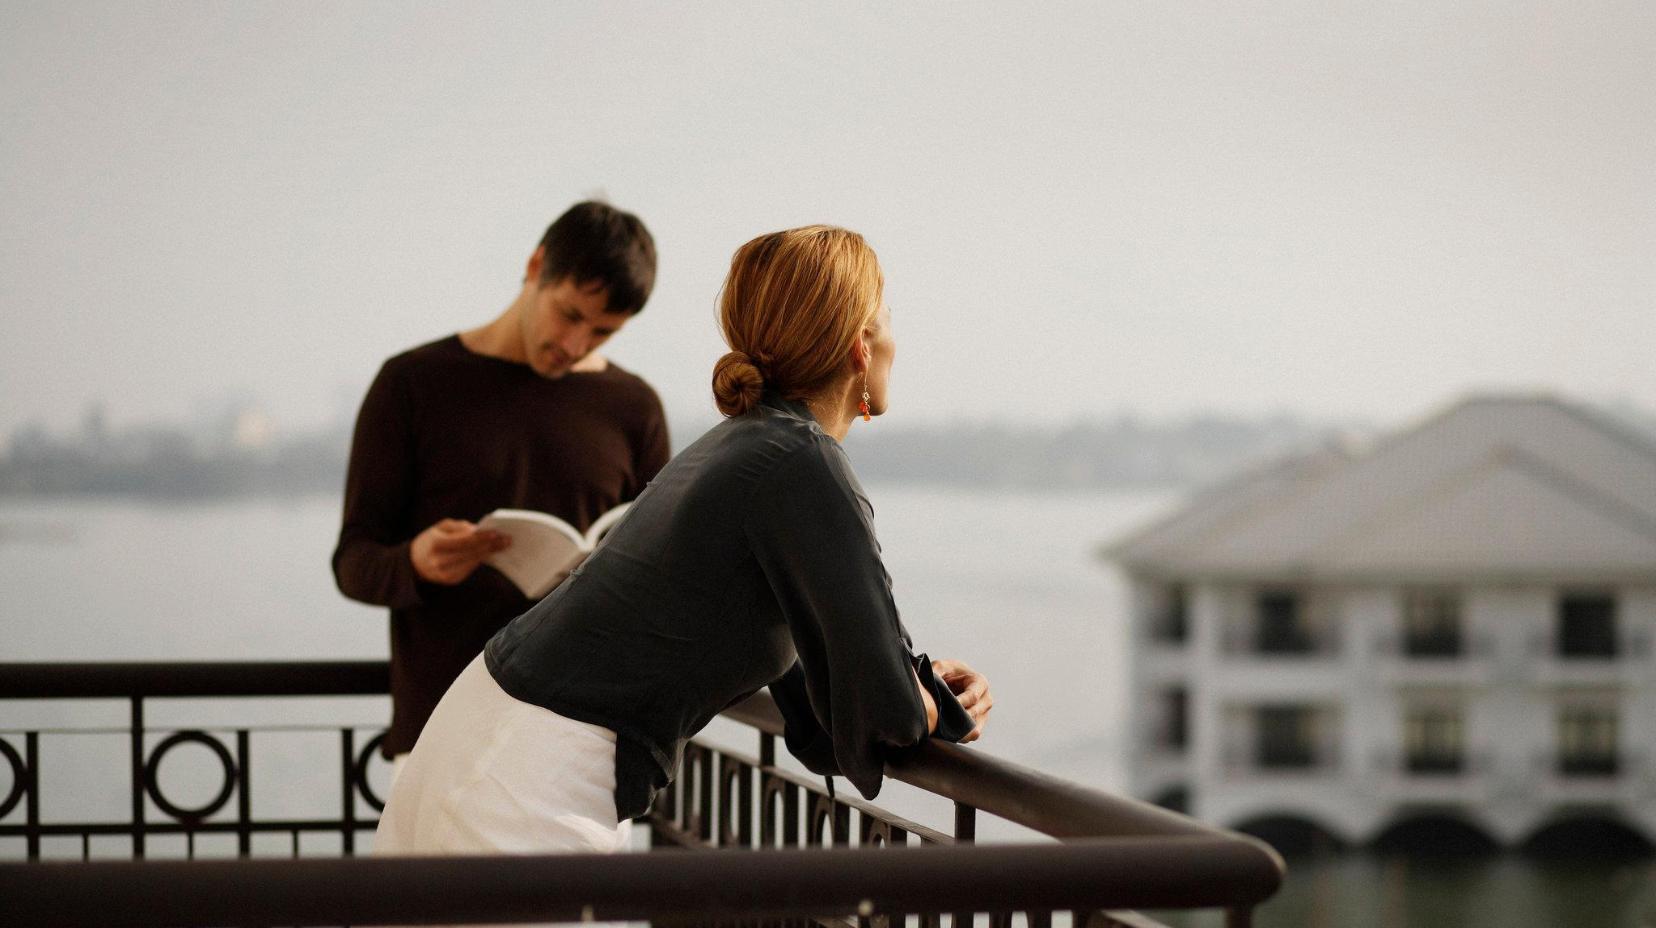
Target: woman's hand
column 970, row 688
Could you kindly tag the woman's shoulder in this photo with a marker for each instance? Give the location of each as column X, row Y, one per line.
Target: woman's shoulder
column 767, row 441
column 794, row 435
column 806, row 455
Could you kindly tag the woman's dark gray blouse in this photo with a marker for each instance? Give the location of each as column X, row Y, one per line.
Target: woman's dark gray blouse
column 749, row 561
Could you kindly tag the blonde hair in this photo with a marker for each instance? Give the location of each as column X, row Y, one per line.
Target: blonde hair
column 790, row 310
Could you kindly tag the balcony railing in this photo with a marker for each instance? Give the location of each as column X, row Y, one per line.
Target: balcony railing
column 833, row 859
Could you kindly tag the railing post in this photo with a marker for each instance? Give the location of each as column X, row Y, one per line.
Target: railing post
column 31, row 809
column 965, row 832
column 347, row 814
column 138, row 777
column 244, row 794
column 965, row 827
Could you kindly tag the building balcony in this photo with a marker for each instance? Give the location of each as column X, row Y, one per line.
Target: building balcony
column 1311, row 763
column 1618, row 777
column 813, row 854
column 1459, row 660
column 1444, row 777
column 1627, row 664
column 1281, row 647
column 1159, row 665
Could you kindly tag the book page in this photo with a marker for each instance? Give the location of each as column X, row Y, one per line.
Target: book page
column 604, row 523
column 542, row 551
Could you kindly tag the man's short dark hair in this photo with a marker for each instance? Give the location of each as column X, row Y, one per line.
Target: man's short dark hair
column 594, row 242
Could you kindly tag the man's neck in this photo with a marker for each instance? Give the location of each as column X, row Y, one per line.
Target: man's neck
column 503, row 339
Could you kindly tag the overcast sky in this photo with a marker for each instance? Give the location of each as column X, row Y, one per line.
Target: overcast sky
column 1339, row 209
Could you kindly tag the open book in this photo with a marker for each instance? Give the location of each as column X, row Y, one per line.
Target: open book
column 544, row 547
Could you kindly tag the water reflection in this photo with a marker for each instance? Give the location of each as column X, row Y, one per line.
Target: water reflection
column 1367, row 890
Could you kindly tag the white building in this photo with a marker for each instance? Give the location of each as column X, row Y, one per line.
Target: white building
column 1451, row 628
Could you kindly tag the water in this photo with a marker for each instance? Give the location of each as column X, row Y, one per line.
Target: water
column 1008, row 581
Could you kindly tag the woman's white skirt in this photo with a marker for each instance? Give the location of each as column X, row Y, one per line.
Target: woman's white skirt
column 493, row 775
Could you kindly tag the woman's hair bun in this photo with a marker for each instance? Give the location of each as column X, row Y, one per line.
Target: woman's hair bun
column 737, row 383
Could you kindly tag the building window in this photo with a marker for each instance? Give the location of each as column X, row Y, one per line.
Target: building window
column 1176, row 615
column 1176, row 717
column 1432, row 624
column 1281, row 626
column 1433, row 740
column 1170, row 616
column 1587, row 738
column 1587, row 625
column 1285, row 738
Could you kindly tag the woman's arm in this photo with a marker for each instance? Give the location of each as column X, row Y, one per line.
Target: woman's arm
column 927, row 701
column 970, row 689
column 811, row 537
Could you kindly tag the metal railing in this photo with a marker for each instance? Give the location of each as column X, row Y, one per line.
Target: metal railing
column 828, row 858
column 152, row 812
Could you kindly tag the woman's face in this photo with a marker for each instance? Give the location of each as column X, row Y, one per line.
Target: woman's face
column 882, row 346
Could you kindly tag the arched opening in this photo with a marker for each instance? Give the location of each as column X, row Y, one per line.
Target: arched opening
column 1594, row 836
column 1431, row 834
column 1292, row 835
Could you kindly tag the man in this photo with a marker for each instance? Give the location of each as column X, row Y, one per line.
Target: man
column 520, row 413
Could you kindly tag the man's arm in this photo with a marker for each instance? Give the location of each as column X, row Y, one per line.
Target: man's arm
column 652, row 453
column 371, row 563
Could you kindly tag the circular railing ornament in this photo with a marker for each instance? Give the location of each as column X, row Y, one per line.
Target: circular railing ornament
column 359, row 773
column 19, row 778
column 152, row 781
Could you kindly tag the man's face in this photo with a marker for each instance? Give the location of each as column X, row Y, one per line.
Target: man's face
column 564, row 323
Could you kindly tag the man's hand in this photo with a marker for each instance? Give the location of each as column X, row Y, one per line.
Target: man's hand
column 449, row 551
column 971, row 690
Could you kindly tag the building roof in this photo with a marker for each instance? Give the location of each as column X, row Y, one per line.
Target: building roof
column 1493, row 487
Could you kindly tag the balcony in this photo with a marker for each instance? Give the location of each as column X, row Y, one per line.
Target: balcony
column 813, row 855
column 1435, row 660
column 1613, row 777
column 1281, row 630
column 1433, row 777
column 1316, row 763
column 1549, row 663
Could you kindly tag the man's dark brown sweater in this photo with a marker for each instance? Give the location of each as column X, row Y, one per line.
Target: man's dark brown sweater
column 445, row 433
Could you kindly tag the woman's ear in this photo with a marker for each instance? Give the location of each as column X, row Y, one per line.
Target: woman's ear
column 861, row 354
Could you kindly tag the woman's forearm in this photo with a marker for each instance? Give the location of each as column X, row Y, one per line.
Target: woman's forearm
column 927, row 701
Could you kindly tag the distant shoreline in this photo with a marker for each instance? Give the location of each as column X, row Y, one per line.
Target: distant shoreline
column 169, row 464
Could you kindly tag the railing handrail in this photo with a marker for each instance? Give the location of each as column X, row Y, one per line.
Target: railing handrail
column 1012, row 791
column 1084, row 875
column 122, row 679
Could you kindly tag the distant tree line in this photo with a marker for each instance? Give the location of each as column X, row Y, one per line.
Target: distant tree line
column 1123, row 452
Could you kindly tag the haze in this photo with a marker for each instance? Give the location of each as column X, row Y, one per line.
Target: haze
column 1338, row 209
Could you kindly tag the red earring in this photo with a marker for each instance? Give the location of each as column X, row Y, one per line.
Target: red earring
column 864, row 404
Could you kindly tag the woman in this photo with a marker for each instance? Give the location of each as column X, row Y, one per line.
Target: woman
column 749, row 561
